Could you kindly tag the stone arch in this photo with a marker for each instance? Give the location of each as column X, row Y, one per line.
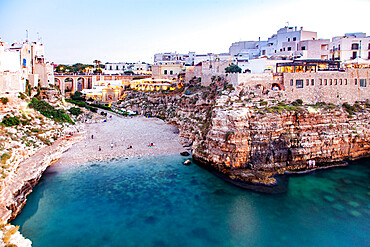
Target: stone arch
column 276, row 87
column 68, row 84
column 80, row 83
column 57, row 82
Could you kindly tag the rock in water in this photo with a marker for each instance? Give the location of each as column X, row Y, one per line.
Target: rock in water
column 185, row 153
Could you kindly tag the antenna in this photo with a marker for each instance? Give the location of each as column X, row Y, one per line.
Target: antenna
column 38, row 37
column 287, row 24
column 26, row 35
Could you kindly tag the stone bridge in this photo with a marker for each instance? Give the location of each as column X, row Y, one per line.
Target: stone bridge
column 76, row 82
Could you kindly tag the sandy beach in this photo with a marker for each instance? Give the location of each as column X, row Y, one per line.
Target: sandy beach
column 117, row 134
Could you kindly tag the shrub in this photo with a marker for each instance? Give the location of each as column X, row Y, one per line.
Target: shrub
column 22, row 96
column 297, row 102
column 4, row 100
column 228, row 134
column 262, row 103
column 5, row 157
column 48, row 111
column 77, row 96
column 9, row 121
column 75, row 111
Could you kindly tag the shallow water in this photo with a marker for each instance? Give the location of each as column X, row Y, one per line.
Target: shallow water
column 157, row 201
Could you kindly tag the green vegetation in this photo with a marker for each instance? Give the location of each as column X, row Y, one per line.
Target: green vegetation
column 228, row 134
column 22, row 96
column 28, row 88
column 263, row 102
column 75, row 111
column 298, row 102
column 48, row 111
column 9, row 121
column 4, row 100
column 351, row 109
column 5, row 157
column 77, row 96
column 280, row 107
column 83, row 104
column 233, row 68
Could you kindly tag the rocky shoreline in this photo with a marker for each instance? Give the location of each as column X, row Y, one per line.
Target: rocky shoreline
column 14, row 194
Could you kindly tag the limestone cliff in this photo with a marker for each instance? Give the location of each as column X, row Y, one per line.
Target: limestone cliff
column 250, row 137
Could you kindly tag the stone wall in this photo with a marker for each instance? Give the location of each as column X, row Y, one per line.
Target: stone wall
column 324, row 86
column 11, row 82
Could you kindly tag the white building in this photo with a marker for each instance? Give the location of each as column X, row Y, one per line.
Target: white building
column 287, row 43
column 191, row 58
column 23, row 61
column 139, row 68
column 350, row 47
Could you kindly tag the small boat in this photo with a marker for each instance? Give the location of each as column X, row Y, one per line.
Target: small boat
column 187, row 162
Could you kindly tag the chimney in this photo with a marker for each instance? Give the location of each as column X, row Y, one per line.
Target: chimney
column 295, row 28
column 301, row 28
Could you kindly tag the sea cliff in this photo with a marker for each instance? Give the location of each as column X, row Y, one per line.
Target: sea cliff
column 250, row 137
column 29, row 143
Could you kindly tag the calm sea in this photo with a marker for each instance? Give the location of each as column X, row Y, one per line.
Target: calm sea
column 157, row 201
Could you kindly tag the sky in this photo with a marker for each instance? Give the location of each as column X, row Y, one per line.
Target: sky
column 75, row 31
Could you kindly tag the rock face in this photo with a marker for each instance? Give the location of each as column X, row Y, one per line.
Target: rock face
column 13, row 193
column 250, row 138
column 242, row 138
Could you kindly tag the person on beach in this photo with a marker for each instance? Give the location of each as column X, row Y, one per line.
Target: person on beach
column 99, row 148
column 111, row 145
column 92, row 136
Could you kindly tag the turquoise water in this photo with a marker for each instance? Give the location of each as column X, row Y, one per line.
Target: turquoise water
column 157, row 201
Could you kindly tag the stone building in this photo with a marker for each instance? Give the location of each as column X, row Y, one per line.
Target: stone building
column 167, row 69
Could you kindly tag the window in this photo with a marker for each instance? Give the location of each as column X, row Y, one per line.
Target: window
column 368, row 47
column 117, row 67
column 288, row 39
column 303, row 48
column 307, row 82
column 291, row 82
column 111, row 67
column 362, row 82
column 312, row 82
column 294, row 38
column 354, row 54
column 281, row 49
column 289, row 48
column 171, row 72
column 299, row 83
column 368, row 56
column 284, row 49
column 331, row 82
column 165, row 72
column 355, row 81
column 340, row 81
column 263, row 52
column 320, row 81
column 345, row 80
column 326, row 81
column 338, row 47
column 355, row 46
column 336, row 81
